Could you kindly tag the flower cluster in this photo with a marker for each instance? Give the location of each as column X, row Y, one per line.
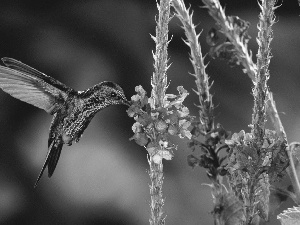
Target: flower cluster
column 245, row 156
column 250, row 168
column 227, row 50
column 153, row 125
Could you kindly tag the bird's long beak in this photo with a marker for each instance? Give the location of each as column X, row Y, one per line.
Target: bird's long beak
column 126, row 102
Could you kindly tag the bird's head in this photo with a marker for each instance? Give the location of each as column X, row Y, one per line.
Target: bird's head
column 104, row 94
column 112, row 93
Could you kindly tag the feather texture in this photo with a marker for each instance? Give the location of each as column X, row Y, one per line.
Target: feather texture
column 72, row 111
column 51, row 158
column 32, row 86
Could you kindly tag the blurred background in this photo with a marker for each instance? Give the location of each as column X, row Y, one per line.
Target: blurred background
column 103, row 179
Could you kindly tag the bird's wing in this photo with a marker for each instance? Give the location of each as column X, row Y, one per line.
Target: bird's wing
column 29, row 85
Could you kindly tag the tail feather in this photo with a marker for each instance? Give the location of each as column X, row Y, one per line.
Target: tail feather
column 51, row 158
column 54, row 158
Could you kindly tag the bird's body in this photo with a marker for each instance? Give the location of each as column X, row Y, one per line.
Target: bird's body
column 72, row 110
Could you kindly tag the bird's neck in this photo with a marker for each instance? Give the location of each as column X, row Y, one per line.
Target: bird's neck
column 93, row 100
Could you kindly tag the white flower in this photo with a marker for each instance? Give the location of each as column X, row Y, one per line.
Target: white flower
column 182, row 95
column 141, row 93
column 155, row 115
column 136, row 127
column 162, row 154
column 235, row 138
column 161, row 126
column 166, row 102
column 265, row 144
column 242, row 133
column 184, row 112
column 184, row 124
column 248, row 137
column 213, row 135
column 187, row 134
column 139, row 89
column 267, row 161
column 157, row 159
column 135, row 98
column 163, row 144
column 170, row 96
column 229, row 142
column 151, row 150
column 184, row 132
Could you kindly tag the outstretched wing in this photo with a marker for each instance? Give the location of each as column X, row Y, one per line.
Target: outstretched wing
column 29, row 85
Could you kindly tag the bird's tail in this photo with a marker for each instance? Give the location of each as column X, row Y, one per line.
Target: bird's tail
column 51, row 159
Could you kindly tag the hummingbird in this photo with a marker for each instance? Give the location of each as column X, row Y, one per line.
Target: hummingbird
column 72, row 110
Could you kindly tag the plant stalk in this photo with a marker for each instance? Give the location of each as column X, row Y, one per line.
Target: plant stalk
column 157, row 200
column 159, row 86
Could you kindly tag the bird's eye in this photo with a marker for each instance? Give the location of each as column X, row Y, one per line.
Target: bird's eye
column 113, row 95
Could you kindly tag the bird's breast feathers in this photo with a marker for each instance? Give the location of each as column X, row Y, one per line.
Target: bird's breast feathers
column 75, row 124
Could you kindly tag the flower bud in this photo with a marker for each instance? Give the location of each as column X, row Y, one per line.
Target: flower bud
column 140, row 138
column 161, row 126
column 172, row 130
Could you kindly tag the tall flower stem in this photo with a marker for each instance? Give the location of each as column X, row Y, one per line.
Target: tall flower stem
column 201, row 78
column 245, row 57
column 263, row 100
column 206, row 107
column 159, row 79
column 159, row 116
column 156, row 176
column 217, row 12
column 159, row 86
column 260, row 90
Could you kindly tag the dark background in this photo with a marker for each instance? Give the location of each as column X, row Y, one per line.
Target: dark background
column 103, row 179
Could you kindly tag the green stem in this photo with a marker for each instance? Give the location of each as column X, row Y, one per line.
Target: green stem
column 157, row 201
column 260, row 91
column 205, row 98
column 159, row 86
column 218, row 13
column 159, row 79
column 245, row 57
